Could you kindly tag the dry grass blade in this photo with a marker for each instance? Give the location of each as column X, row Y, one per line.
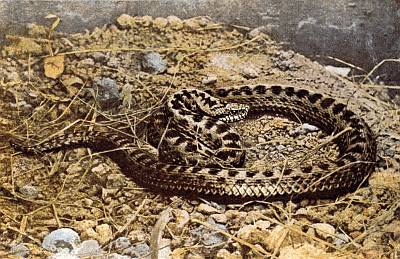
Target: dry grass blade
column 156, row 233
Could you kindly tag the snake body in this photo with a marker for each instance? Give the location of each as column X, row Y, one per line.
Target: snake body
column 194, row 124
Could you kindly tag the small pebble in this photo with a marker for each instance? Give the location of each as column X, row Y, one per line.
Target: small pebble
column 115, row 181
column 324, row 230
column 249, row 72
column 20, row 250
column 160, row 23
column 61, row 240
column 141, row 250
column 207, row 209
column 29, row 191
column 107, row 89
column 152, row 62
column 340, row 239
column 118, row 256
column 219, row 218
column 63, row 256
column 104, row 233
column 121, row 243
column 211, row 79
column 88, row 248
column 175, row 22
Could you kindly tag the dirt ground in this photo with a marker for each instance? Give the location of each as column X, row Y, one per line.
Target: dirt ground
column 50, row 82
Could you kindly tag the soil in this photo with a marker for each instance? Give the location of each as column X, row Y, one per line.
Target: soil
column 51, row 82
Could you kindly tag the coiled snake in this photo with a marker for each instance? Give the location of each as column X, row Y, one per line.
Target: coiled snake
column 199, row 153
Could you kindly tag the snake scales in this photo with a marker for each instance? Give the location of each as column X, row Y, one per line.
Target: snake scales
column 193, row 128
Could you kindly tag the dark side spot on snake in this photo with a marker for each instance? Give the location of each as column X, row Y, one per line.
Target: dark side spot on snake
column 195, row 170
column 222, row 127
column 314, row 98
column 268, row 173
column 198, row 117
column 190, row 147
column 246, row 89
column 306, row 169
column 289, row 91
column 276, row 89
column 233, row 173
column 323, row 166
column 222, row 92
column 302, row 93
column 287, row 171
column 346, row 115
column 338, row 108
column 260, row 89
column 250, row 174
column 231, row 136
column 213, row 171
column 209, row 124
column 356, row 149
column 327, row 102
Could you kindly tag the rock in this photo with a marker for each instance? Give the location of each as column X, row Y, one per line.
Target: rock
column 125, row 21
column 207, row 209
column 340, row 239
column 141, row 250
column 61, row 240
column 121, row 243
column 104, row 233
column 306, row 251
column 210, row 79
column 303, row 129
column 63, row 256
column 249, row 72
column 324, row 230
column 20, row 250
column 107, row 92
column 118, row 256
column 115, row 181
column 341, row 71
column 210, row 237
column 87, row 248
column 175, row 22
column 219, row 218
column 225, row 254
column 160, row 23
column 181, row 219
column 152, row 62
column 263, row 224
column 29, row 191
column 165, row 251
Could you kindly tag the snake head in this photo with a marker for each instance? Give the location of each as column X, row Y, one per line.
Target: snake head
column 233, row 112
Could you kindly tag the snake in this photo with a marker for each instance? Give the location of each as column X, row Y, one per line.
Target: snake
column 200, row 153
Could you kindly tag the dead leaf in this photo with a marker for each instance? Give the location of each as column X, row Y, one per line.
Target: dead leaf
column 72, row 83
column 54, row 66
column 56, row 21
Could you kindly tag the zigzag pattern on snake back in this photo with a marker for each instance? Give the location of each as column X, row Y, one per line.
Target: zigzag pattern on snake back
column 193, row 115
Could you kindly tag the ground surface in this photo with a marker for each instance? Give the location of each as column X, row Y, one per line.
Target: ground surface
column 40, row 96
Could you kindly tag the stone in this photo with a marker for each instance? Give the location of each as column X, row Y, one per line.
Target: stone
column 152, row 62
column 324, row 230
column 175, row 22
column 207, row 209
column 104, row 233
column 107, row 92
column 210, row 79
column 121, row 243
column 29, row 191
column 20, row 250
column 61, row 240
column 88, row 248
column 219, row 218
